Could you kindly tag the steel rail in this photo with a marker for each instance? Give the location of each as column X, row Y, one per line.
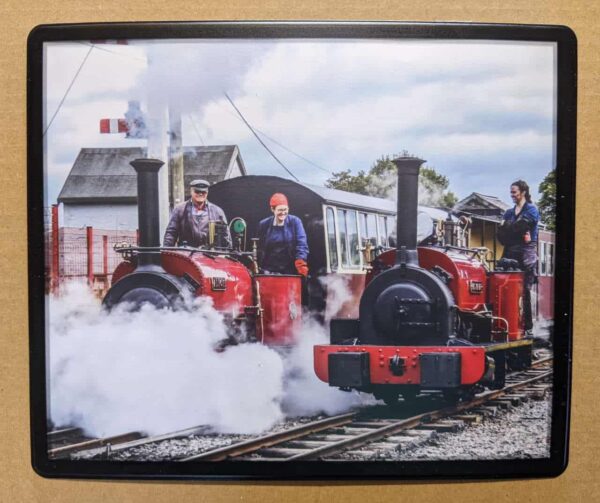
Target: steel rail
column 92, row 444
column 411, row 422
column 272, row 439
column 135, row 439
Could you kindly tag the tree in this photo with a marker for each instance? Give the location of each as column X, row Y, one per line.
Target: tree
column 343, row 180
column 547, row 202
column 380, row 181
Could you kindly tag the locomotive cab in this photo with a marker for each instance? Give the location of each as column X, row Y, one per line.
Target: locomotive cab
column 256, row 307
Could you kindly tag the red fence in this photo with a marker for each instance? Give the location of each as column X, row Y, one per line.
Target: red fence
column 85, row 253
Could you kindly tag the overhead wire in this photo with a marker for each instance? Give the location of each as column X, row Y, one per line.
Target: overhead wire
column 254, row 131
column 312, row 163
column 68, row 90
column 259, row 139
column 117, row 53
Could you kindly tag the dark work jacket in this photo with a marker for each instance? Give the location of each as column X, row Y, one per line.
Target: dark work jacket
column 184, row 226
column 280, row 248
column 526, row 220
column 511, row 234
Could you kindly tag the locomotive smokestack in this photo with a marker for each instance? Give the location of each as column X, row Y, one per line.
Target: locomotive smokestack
column 408, row 200
column 148, row 211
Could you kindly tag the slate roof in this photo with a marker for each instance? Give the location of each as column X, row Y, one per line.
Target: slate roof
column 482, row 205
column 104, row 175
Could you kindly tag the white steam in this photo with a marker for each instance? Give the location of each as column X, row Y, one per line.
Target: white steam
column 157, row 371
column 386, row 186
column 188, row 75
column 305, row 394
column 338, row 294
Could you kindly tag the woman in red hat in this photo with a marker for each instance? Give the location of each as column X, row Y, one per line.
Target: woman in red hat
column 283, row 245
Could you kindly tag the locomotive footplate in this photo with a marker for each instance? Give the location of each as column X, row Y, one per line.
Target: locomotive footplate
column 503, row 346
column 510, row 355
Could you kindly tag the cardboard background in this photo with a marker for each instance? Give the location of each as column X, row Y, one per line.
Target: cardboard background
column 18, row 482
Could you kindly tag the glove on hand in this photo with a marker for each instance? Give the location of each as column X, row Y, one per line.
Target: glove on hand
column 301, row 267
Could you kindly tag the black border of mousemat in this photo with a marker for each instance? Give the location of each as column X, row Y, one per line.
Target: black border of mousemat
column 565, row 224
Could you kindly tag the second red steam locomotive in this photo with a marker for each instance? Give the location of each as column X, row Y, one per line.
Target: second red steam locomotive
column 430, row 318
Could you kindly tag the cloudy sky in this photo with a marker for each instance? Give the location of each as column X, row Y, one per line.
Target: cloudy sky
column 483, row 114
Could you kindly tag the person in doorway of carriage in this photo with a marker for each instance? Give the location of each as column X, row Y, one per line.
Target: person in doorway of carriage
column 519, row 234
column 282, row 240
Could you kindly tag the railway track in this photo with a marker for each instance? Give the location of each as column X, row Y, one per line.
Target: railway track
column 358, row 433
column 351, row 431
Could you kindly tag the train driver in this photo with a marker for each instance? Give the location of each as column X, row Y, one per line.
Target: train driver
column 519, row 234
column 189, row 220
column 282, row 240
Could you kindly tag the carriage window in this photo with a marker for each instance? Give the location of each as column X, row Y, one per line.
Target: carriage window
column 382, row 230
column 547, row 259
column 353, row 238
column 370, row 228
column 391, row 231
column 348, row 238
column 542, row 253
column 550, row 259
column 343, row 237
column 543, row 259
column 333, row 254
column 363, row 226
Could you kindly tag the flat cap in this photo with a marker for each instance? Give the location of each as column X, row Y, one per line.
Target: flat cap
column 199, row 184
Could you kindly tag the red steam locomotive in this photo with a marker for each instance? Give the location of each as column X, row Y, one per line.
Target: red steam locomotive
column 263, row 307
column 430, row 318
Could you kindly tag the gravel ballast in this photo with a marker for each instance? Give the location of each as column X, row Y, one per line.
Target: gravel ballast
column 522, row 432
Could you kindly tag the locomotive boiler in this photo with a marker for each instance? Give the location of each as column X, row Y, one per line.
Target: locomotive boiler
column 430, row 318
column 254, row 306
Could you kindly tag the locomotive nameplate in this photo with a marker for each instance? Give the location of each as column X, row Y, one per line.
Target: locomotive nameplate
column 218, row 284
column 475, row 287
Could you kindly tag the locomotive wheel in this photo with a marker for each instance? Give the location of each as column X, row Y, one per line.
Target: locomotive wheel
column 391, row 399
column 519, row 359
column 409, row 394
column 455, row 395
column 389, row 396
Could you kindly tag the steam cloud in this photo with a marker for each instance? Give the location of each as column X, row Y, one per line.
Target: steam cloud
column 157, row 371
column 187, row 76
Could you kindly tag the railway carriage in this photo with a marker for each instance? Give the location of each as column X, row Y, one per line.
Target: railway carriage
column 337, row 224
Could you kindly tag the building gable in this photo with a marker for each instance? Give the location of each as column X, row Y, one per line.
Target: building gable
column 104, row 175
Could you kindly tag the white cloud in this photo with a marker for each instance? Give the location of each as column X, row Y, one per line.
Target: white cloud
column 341, row 104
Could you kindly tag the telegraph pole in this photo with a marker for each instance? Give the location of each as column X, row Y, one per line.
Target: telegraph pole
column 177, row 187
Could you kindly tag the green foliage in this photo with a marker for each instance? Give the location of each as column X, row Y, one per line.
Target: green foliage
column 380, row 181
column 343, row 180
column 547, row 202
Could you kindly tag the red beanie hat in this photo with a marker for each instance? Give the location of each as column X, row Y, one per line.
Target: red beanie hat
column 278, row 199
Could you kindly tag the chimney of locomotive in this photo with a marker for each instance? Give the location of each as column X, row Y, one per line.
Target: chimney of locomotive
column 407, row 209
column 148, row 211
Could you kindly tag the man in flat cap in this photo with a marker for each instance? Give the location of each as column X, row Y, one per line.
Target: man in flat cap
column 189, row 220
